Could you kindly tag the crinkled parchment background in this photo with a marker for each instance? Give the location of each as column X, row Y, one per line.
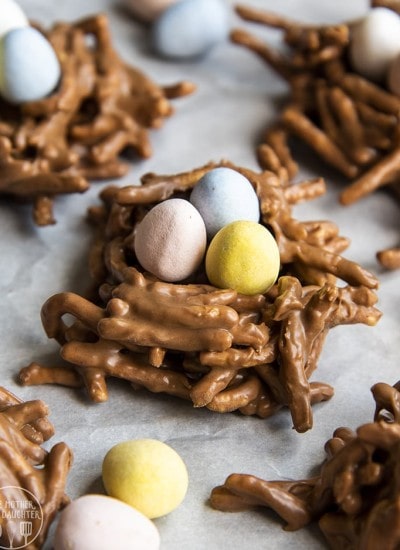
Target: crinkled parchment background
column 237, row 97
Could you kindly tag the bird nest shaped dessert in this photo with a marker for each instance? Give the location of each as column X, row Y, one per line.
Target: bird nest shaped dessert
column 101, row 107
column 350, row 121
column 215, row 347
column 355, row 497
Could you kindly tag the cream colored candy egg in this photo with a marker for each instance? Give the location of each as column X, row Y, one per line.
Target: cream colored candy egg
column 147, row 474
column 374, row 43
column 244, row 256
column 147, row 10
column 11, row 16
column 171, row 239
column 98, row 522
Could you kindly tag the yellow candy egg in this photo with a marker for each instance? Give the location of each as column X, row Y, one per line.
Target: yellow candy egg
column 244, row 256
column 146, row 474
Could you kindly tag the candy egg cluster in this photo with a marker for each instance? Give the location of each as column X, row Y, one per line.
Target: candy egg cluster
column 374, row 48
column 29, row 68
column 183, row 29
column 217, row 225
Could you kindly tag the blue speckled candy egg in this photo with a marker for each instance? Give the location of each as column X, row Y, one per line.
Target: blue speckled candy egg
column 29, row 68
column 223, row 196
column 190, row 28
column 171, row 240
column 11, row 17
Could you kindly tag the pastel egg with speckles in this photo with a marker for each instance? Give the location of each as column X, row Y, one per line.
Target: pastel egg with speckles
column 147, row 474
column 223, row 196
column 244, row 256
column 12, row 16
column 99, row 522
column 29, row 68
column 190, row 28
column 170, row 241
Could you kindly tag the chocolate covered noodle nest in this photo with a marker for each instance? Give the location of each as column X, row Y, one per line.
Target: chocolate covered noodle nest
column 32, row 480
column 350, row 122
column 356, row 496
column 101, row 108
column 214, row 347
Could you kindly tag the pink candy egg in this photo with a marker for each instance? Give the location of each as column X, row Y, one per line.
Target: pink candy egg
column 147, row 10
column 98, row 522
column 170, row 241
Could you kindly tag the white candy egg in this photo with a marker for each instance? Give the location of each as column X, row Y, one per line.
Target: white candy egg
column 374, row 43
column 98, row 522
column 11, row 16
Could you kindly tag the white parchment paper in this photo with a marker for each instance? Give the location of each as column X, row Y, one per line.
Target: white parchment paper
column 235, row 101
